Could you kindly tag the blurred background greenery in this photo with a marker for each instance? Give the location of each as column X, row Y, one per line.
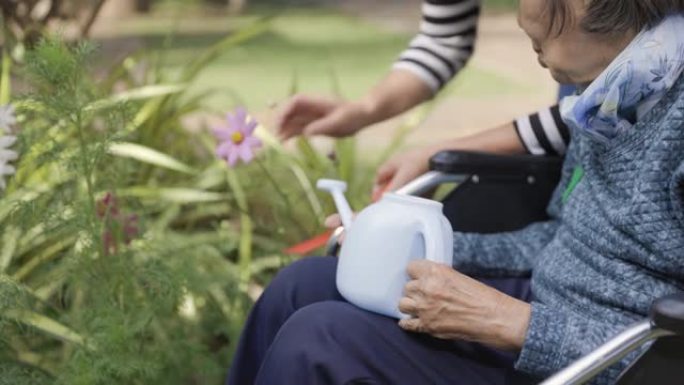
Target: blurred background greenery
column 310, row 41
column 352, row 41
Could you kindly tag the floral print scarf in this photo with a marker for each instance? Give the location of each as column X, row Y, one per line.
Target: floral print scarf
column 631, row 85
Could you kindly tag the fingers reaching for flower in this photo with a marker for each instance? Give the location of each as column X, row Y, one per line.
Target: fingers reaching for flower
column 306, row 115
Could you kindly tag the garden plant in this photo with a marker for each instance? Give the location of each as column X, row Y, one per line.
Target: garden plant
column 132, row 245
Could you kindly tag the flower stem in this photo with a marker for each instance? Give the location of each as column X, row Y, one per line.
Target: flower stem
column 86, row 168
column 246, row 230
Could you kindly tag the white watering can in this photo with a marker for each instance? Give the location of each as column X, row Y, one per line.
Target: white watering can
column 381, row 241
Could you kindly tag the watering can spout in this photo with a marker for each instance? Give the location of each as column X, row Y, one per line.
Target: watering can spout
column 337, row 188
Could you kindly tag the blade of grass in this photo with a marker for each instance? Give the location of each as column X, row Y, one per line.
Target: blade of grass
column 45, row 255
column 45, row 324
column 5, row 80
column 142, row 93
column 172, row 195
column 8, row 247
column 345, row 152
column 256, row 29
column 148, row 155
column 309, row 191
column 311, row 158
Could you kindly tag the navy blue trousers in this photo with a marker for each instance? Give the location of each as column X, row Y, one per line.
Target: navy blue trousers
column 301, row 332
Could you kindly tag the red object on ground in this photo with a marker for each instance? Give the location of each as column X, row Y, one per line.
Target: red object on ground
column 306, row 247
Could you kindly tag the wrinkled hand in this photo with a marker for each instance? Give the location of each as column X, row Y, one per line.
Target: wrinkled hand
column 305, row 115
column 449, row 305
column 402, row 169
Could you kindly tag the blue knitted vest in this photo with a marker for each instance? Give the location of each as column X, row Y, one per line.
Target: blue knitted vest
column 620, row 244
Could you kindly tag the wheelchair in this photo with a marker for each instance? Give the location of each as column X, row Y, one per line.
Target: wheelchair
column 496, row 193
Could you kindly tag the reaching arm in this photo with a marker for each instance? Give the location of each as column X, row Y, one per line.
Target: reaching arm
column 445, row 42
column 542, row 133
column 442, row 47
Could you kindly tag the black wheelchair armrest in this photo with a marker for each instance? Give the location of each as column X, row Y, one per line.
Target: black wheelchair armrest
column 498, row 192
column 667, row 313
column 483, row 164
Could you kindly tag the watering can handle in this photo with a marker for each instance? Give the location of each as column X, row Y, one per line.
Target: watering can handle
column 434, row 244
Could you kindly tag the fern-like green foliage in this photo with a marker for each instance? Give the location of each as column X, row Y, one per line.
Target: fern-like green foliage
column 128, row 253
column 81, row 301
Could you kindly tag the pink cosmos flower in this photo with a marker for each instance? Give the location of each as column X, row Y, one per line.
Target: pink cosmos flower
column 236, row 138
column 117, row 227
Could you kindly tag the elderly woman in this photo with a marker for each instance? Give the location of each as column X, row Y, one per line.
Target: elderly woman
column 615, row 243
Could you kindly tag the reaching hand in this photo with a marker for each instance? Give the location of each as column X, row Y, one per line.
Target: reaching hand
column 304, row 115
column 401, row 169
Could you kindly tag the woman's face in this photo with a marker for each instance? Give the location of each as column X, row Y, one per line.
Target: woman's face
column 574, row 56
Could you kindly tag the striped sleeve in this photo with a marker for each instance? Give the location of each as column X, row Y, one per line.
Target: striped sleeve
column 544, row 133
column 445, row 42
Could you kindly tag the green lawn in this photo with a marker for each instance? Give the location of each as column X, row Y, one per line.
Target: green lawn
column 500, row 5
column 323, row 49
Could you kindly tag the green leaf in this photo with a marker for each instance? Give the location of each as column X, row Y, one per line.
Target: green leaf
column 53, row 283
column 20, row 196
column 173, row 195
column 345, row 151
column 149, row 156
column 335, row 86
column 8, row 246
column 5, row 85
column 309, row 191
column 310, row 156
column 142, row 93
column 269, row 262
column 294, row 83
column 45, row 324
column 270, row 140
column 30, row 105
column 44, row 256
column 233, row 40
column 146, row 112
